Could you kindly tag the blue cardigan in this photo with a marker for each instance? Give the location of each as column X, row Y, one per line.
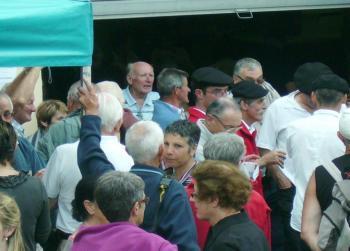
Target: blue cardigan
column 175, row 219
column 164, row 114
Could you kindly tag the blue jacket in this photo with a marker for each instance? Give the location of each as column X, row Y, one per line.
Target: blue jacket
column 175, row 219
column 164, row 114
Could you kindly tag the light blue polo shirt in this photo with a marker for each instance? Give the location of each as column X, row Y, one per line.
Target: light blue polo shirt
column 142, row 113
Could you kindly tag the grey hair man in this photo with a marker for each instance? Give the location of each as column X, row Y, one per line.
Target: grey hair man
column 62, row 172
column 251, row 69
column 172, row 85
column 138, row 95
column 121, row 199
column 73, row 103
column 6, row 107
column 68, row 129
column 223, row 115
column 168, row 213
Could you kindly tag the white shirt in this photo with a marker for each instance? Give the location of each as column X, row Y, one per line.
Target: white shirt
column 62, row 175
column 272, row 134
column 309, row 141
column 204, row 137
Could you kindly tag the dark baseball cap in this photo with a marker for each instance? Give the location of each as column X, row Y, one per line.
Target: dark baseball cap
column 249, row 90
column 331, row 82
column 210, row 76
column 307, row 73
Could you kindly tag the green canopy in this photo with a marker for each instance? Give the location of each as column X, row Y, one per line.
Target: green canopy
column 45, row 33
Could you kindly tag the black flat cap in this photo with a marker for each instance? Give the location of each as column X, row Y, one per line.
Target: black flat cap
column 331, row 82
column 210, row 76
column 249, row 90
column 307, row 73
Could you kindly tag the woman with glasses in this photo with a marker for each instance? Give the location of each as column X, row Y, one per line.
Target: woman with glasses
column 220, row 192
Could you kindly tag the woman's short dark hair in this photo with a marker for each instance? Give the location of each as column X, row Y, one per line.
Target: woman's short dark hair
column 224, row 181
column 8, row 141
column 185, row 129
column 83, row 191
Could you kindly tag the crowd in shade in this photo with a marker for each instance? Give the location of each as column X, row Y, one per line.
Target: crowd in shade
column 140, row 169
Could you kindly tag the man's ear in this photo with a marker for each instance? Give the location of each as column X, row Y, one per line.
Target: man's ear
column 236, row 79
column 129, row 78
column 244, row 106
column 161, row 151
column 313, row 98
column 198, row 93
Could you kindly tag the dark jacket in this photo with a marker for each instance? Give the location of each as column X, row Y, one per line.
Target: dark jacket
column 236, row 233
column 31, row 198
column 175, row 220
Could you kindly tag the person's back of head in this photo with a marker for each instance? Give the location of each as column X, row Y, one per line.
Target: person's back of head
column 112, row 88
column 10, row 224
column 330, row 91
column 226, row 147
column 144, row 142
column 8, row 142
column 111, row 113
column 118, row 194
column 73, row 103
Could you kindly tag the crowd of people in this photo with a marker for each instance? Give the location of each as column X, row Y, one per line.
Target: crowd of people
column 140, row 169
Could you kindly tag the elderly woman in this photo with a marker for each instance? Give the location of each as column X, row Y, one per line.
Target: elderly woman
column 220, row 192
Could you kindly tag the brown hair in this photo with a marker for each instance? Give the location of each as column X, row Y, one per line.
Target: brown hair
column 224, row 181
column 8, row 141
column 47, row 109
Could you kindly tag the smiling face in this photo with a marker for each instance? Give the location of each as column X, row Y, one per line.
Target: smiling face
column 141, row 79
column 22, row 113
column 177, row 152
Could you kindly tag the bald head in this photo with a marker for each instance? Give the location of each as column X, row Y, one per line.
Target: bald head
column 140, row 77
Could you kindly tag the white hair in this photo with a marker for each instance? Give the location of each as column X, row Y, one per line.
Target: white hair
column 112, row 88
column 110, row 111
column 73, row 92
column 143, row 140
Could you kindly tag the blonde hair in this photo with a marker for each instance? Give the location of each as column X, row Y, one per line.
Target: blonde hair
column 10, row 217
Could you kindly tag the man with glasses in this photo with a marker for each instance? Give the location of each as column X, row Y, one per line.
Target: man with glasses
column 208, row 84
column 223, row 115
column 251, row 69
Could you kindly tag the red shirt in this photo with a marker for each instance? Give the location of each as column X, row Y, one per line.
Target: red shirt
column 194, row 113
column 251, row 148
column 256, row 208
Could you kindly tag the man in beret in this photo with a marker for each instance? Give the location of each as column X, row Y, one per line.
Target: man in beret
column 251, row 69
column 208, row 84
column 279, row 191
column 313, row 140
column 251, row 100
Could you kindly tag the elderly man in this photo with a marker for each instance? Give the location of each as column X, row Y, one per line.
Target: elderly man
column 26, row 158
column 314, row 139
column 121, row 198
column 138, row 95
column 272, row 136
column 62, row 171
column 318, row 195
column 251, row 69
column 168, row 213
column 73, row 103
column 208, row 84
column 172, row 85
column 223, row 115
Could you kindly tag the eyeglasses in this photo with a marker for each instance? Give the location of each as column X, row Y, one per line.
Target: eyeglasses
column 7, row 114
column 257, row 81
column 218, row 92
column 228, row 128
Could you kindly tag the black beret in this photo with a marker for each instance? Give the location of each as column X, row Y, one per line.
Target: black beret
column 210, row 76
column 248, row 89
column 331, row 82
column 307, row 73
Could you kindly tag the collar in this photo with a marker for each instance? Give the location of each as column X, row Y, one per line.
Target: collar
column 148, row 100
column 195, row 109
column 18, row 128
column 146, row 169
column 251, row 128
column 128, row 97
column 327, row 112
